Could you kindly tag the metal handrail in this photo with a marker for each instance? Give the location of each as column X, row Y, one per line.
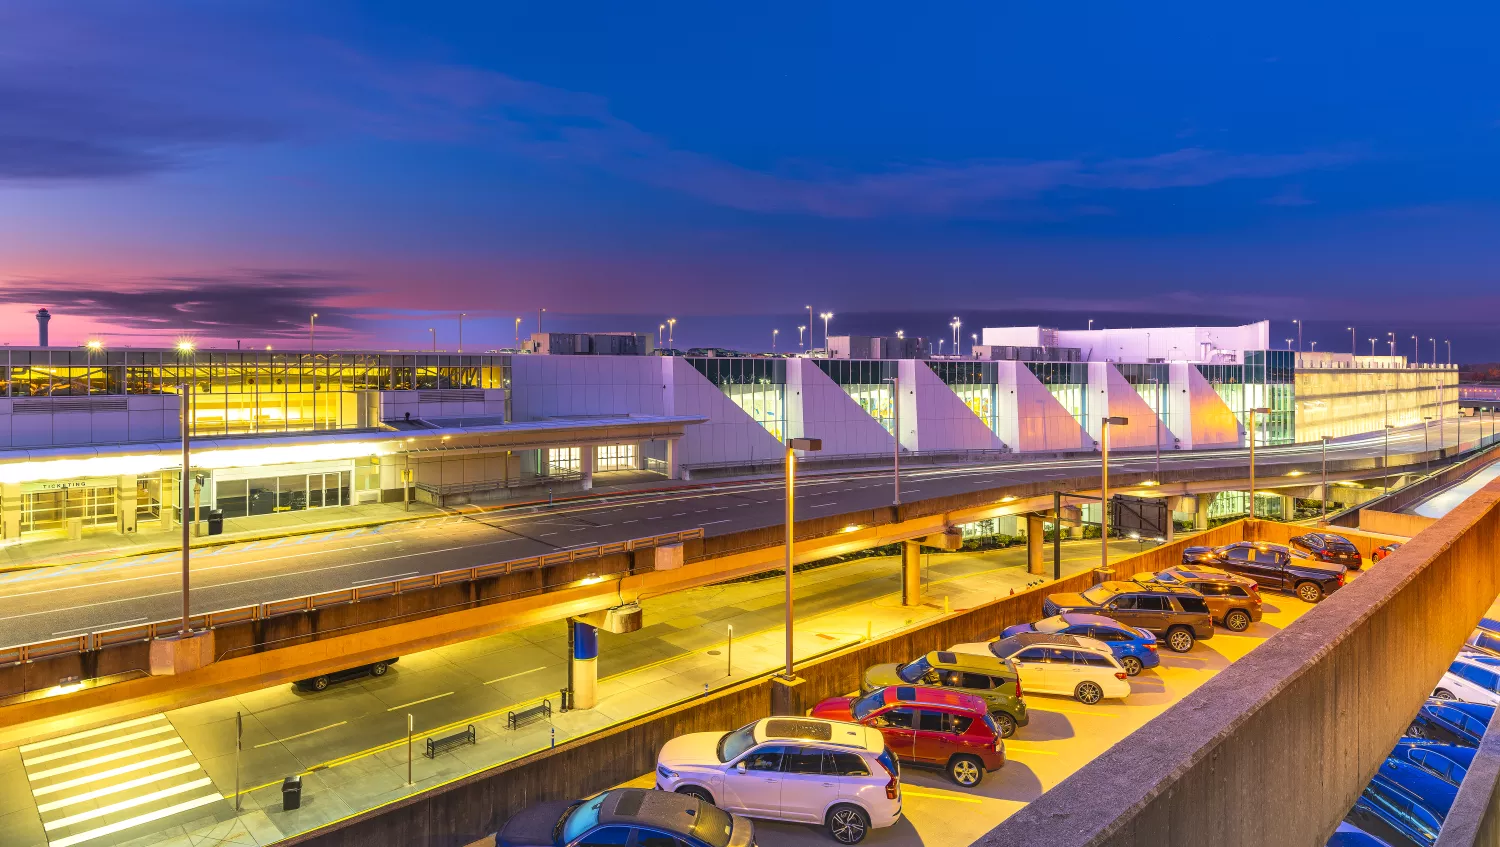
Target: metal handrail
column 22, row 653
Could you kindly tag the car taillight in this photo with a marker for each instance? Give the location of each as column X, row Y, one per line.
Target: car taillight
column 1121, row 675
column 892, row 789
column 1018, row 686
column 1151, row 647
column 1341, row 579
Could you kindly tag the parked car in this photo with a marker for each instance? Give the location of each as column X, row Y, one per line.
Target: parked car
column 991, row 679
column 1349, row 835
column 1233, row 600
column 1451, row 722
column 1327, row 547
column 1177, row 615
column 319, row 683
column 614, row 817
column 1076, row 667
column 1135, row 648
column 802, row 769
column 1403, row 803
column 1384, row 550
column 1483, row 642
column 1472, row 679
column 1489, row 624
column 927, row 726
column 1448, row 762
column 1272, row 566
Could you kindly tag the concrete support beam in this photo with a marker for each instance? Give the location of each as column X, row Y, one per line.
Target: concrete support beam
column 640, row 455
column 169, row 499
column 586, row 455
column 10, row 511
column 1036, row 545
column 911, row 573
column 673, row 471
column 125, row 504
column 583, row 665
column 1288, row 507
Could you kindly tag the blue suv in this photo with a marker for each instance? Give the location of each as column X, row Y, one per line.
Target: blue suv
column 1135, row 648
column 1451, row 722
column 1403, row 803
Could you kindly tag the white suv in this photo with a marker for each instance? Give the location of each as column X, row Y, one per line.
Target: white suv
column 1472, row 679
column 1056, row 663
column 807, row 770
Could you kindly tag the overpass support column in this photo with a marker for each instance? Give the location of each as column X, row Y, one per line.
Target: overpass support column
column 583, row 665
column 1288, row 507
column 586, row 456
column 1200, row 511
column 125, row 503
column 911, row 573
column 1036, row 537
column 673, row 471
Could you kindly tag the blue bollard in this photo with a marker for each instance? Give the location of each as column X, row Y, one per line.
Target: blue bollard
column 554, row 736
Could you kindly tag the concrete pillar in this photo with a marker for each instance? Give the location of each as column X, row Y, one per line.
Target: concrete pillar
column 1073, row 516
column 673, row 471
column 125, row 504
column 1288, row 507
column 911, row 573
column 169, row 499
column 10, row 511
column 1036, row 545
column 583, row 668
column 640, row 455
column 586, row 455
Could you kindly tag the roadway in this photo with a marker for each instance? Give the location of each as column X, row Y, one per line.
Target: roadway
column 74, row 599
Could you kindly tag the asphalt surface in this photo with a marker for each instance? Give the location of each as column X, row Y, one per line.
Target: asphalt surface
column 75, row 599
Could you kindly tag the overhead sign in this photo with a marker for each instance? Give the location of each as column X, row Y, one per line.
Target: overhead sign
column 1146, row 516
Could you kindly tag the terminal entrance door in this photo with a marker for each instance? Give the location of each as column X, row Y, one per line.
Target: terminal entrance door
column 51, row 509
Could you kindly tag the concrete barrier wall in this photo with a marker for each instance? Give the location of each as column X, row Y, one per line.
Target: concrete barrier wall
column 471, row 808
column 1417, row 491
column 1276, row 748
column 1394, row 523
column 1474, row 819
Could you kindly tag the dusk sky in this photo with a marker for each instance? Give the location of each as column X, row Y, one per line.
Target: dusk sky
column 223, row 169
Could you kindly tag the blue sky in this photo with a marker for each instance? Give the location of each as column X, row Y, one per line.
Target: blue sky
column 223, row 169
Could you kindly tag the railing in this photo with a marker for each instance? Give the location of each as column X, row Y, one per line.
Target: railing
column 275, row 608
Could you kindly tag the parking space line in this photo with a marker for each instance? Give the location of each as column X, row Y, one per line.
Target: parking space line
column 908, row 792
column 1011, row 748
column 1060, row 710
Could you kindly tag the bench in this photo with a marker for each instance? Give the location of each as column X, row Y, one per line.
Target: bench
column 442, row 745
column 541, row 710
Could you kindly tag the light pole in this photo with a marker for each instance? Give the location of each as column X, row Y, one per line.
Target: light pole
column 1253, row 412
column 461, row 316
column 1434, row 350
column 1116, row 420
column 957, row 324
column 1091, row 324
column 1450, row 350
column 1313, row 345
column 895, row 382
column 1353, row 346
column 185, row 393
column 826, row 316
column 312, row 333
column 518, row 333
column 809, row 323
column 941, row 342
column 800, row 329
column 1426, row 442
column 1298, row 322
column 661, row 333
column 539, row 320
column 1157, row 410
column 1392, row 342
column 1324, row 489
column 1372, row 347
column 434, row 338
column 811, row 445
column 1386, row 463
column 1416, row 350
column 774, row 333
column 672, row 333
column 93, row 347
column 1288, row 344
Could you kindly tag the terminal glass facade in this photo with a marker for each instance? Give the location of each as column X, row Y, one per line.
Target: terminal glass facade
column 1069, row 383
column 756, row 385
column 866, row 383
column 1153, row 382
column 1267, row 379
column 974, row 383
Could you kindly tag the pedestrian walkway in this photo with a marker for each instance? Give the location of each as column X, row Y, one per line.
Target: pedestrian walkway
column 135, row 782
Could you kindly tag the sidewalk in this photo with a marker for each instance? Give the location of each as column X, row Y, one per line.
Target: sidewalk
column 350, row 741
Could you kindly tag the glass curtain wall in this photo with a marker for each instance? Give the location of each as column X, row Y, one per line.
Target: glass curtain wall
column 1069, row 383
column 756, row 385
column 974, row 383
column 1152, row 382
column 1265, row 381
column 864, row 381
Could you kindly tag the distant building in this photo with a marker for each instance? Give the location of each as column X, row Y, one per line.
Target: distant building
column 876, row 347
column 591, row 343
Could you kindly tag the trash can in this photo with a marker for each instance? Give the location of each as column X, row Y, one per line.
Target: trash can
column 215, row 521
column 1102, row 575
column 291, row 793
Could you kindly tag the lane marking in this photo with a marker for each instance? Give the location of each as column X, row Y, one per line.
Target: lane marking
column 135, row 821
column 423, row 700
column 514, row 675
column 299, row 735
column 711, row 523
column 88, row 733
column 393, row 576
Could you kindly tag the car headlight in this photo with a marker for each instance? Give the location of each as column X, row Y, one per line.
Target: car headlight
column 666, row 772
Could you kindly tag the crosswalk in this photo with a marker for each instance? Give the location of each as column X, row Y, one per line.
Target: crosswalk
column 118, row 783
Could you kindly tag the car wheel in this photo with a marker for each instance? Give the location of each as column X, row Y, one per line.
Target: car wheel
column 966, row 771
column 319, row 683
column 1237, row 620
column 1005, row 723
column 848, row 824
column 1417, row 730
column 1309, row 592
column 1180, row 640
column 1443, row 694
column 379, row 669
column 695, row 791
column 1088, row 693
column 1132, row 665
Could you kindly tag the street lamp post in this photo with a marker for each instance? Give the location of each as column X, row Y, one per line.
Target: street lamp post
column 1298, row 322
column 518, row 333
column 1416, row 350
column 461, row 316
column 800, row 344
column 185, row 395
column 1313, row 345
column 93, row 347
column 974, row 348
column 1372, row 347
column 1253, row 412
column 826, row 316
column 810, row 445
column 809, row 323
column 1434, row 350
column 672, row 333
column 1426, row 442
column 1385, row 463
column 1104, row 426
column 895, row 382
column 1288, row 344
column 1353, row 345
column 1449, row 345
column 1324, row 489
column 774, row 333
column 312, row 333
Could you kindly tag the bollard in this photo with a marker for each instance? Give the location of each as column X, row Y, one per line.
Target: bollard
column 729, row 653
column 554, row 737
column 945, row 604
column 239, row 743
column 409, row 725
column 869, row 629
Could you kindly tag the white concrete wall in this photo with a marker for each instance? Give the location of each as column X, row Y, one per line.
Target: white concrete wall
column 146, row 417
column 395, row 404
column 559, row 386
column 1209, row 423
column 818, row 408
column 1030, row 419
column 730, row 435
column 1108, row 389
column 1173, row 343
column 934, row 418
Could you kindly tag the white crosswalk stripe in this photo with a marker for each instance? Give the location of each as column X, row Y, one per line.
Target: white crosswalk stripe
column 118, row 783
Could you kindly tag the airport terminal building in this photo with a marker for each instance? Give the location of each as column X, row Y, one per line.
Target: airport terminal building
column 90, row 439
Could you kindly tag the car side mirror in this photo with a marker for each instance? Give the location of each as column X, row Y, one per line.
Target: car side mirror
column 740, row 766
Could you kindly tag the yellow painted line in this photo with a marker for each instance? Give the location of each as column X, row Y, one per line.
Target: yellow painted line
column 910, row 793
column 1012, row 748
column 299, row 735
column 1073, row 712
column 423, row 700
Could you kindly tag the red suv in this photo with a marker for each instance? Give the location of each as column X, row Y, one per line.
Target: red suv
column 927, row 726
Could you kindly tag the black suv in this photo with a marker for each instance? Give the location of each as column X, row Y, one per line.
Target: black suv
column 1327, row 547
column 1273, row 566
column 1178, row 615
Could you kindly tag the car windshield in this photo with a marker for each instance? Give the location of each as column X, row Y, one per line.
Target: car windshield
column 1168, row 577
column 582, row 818
column 713, row 825
column 733, row 744
column 913, row 671
column 1098, row 595
column 868, row 703
column 1049, row 625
